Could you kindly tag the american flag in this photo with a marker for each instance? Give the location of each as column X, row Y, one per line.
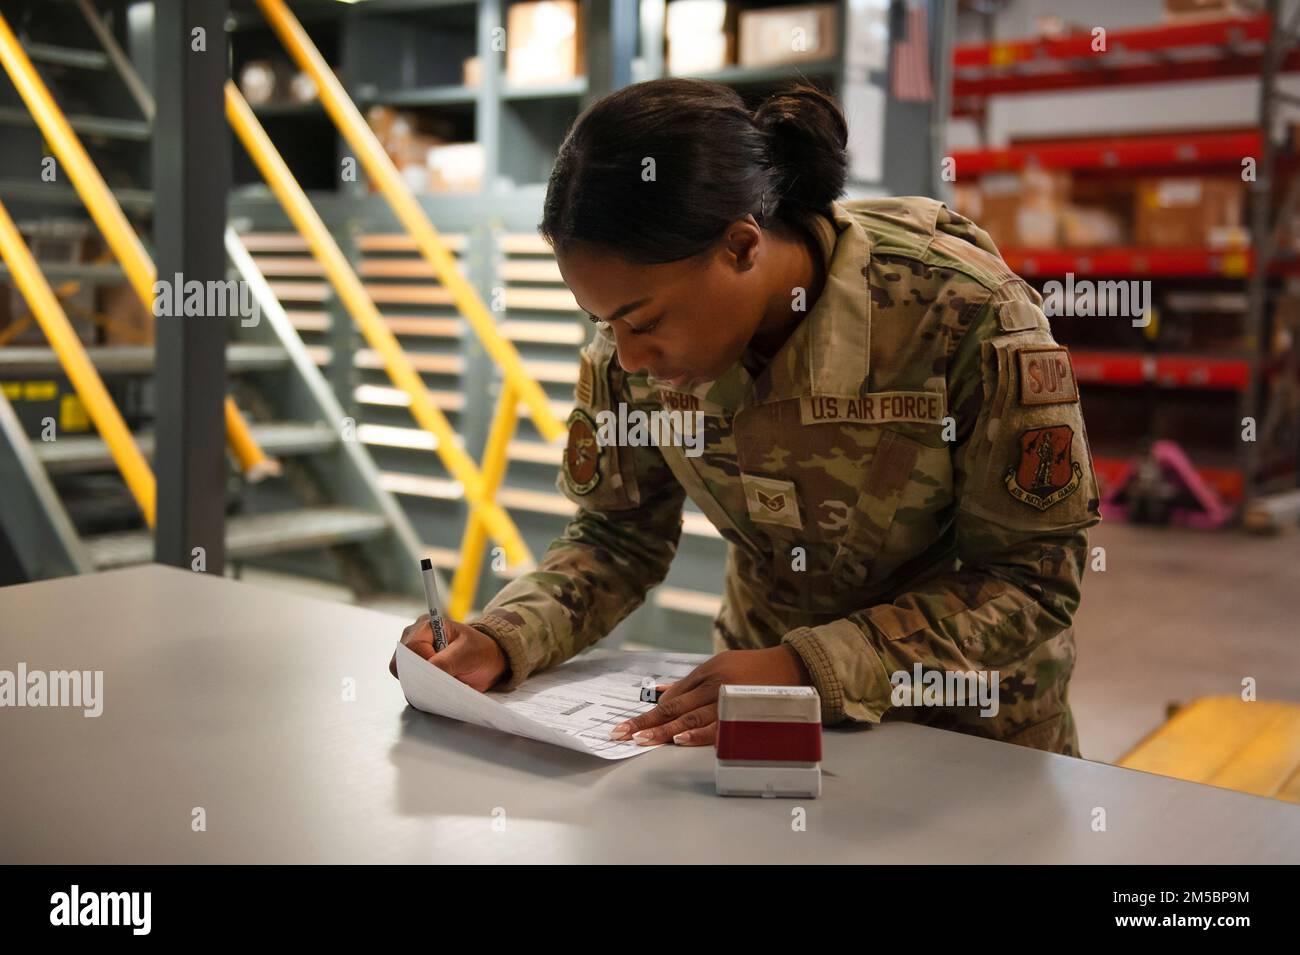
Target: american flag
column 910, row 67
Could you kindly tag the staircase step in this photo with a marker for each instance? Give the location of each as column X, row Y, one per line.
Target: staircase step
column 19, row 191
column 31, row 361
column 109, row 273
column 106, row 126
column 253, row 535
column 79, row 453
column 67, row 56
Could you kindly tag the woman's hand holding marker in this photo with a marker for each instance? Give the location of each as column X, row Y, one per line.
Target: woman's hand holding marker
column 471, row 656
column 687, row 713
column 467, row 654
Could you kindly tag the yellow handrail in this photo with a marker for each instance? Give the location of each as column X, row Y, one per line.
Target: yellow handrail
column 465, row 582
column 112, row 222
column 81, row 372
column 409, row 212
column 362, row 309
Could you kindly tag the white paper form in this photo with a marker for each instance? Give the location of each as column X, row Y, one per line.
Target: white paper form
column 574, row 705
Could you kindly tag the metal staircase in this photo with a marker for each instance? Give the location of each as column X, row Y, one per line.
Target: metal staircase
column 64, row 506
column 359, row 467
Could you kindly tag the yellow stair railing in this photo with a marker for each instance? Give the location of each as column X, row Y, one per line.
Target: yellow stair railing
column 465, row 581
column 486, row 514
column 519, row 386
column 409, row 213
column 81, row 371
column 104, row 209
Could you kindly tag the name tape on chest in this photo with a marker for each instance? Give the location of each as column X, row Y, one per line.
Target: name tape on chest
column 1046, row 376
column 685, row 401
column 880, row 407
column 680, row 400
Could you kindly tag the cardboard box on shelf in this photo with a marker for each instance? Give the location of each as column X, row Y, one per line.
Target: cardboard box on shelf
column 967, row 200
column 1090, row 227
column 411, row 159
column 413, row 150
column 797, row 34
column 1100, row 212
column 685, row 17
column 1054, row 26
column 1228, row 237
column 407, row 137
column 701, row 35
column 455, row 167
column 704, row 53
column 1186, row 210
column 380, row 119
column 997, row 202
column 544, row 42
column 1190, row 11
column 1024, row 209
column 125, row 320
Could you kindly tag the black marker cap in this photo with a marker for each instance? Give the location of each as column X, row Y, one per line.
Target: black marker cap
column 426, row 564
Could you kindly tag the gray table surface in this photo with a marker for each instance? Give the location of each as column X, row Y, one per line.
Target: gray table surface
column 229, row 697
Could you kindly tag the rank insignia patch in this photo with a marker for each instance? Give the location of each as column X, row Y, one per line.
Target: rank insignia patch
column 771, row 501
column 1046, row 472
column 584, row 389
column 581, row 454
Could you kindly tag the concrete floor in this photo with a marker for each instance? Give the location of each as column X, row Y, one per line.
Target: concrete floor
column 1177, row 615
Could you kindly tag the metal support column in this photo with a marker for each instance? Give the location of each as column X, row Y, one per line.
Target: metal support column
column 611, row 46
column 191, row 173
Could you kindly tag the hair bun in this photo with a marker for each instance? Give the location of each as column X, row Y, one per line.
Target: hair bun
column 806, row 136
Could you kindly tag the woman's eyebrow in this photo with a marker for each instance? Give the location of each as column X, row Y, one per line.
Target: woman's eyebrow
column 622, row 310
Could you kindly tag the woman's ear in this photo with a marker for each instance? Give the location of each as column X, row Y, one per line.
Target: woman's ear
column 740, row 243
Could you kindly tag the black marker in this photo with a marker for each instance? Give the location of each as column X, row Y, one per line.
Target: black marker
column 435, row 614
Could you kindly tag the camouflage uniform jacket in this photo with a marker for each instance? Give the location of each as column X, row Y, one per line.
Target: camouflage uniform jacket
column 907, row 482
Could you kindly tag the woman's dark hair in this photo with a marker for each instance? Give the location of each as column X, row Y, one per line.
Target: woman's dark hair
column 713, row 163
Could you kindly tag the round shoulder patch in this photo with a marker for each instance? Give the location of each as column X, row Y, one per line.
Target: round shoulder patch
column 582, row 454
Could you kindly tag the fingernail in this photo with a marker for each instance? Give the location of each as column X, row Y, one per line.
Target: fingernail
column 620, row 731
column 682, row 738
column 645, row 736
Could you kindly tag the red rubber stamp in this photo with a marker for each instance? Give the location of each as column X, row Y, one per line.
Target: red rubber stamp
column 769, row 741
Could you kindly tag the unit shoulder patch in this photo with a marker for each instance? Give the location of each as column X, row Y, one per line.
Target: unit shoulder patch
column 1046, row 472
column 581, row 453
column 1046, row 376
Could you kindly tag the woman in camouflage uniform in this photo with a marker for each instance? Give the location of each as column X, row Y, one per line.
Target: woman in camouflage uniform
column 891, row 441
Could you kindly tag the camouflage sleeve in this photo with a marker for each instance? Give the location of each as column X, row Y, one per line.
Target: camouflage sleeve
column 618, row 545
column 1025, row 494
